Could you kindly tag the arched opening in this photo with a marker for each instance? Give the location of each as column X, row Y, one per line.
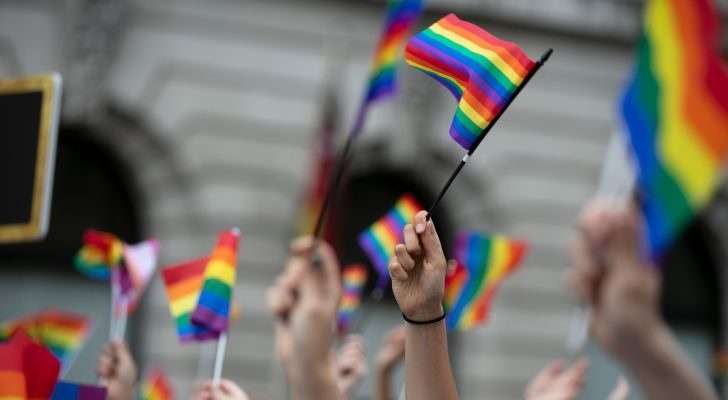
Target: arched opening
column 91, row 189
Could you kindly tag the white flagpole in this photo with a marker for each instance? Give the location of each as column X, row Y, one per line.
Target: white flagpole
column 219, row 357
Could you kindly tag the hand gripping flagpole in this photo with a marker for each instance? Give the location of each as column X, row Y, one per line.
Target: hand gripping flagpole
column 470, row 152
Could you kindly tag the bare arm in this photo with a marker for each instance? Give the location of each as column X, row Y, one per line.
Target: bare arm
column 304, row 300
column 663, row 370
column 418, row 281
column 611, row 275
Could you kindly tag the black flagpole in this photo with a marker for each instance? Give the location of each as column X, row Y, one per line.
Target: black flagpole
column 470, row 152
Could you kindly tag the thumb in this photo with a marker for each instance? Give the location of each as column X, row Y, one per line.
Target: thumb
column 428, row 237
column 625, row 249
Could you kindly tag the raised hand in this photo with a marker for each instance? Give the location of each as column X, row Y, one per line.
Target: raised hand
column 418, row 271
column 117, row 368
column 611, row 274
column 351, row 365
column 304, row 301
column 391, row 351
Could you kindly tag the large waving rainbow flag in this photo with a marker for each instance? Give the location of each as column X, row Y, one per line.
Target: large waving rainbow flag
column 353, row 280
column 401, row 15
column 156, row 386
column 183, row 283
column 675, row 109
column 480, row 70
column 489, row 260
column 101, row 251
column 379, row 239
column 213, row 306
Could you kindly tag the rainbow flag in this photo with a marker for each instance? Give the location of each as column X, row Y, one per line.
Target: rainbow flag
column 63, row 333
column 454, row 282
column 182, row 283
column 379, row 239
column 489, row 260
column 675, row 110
column 28, row 371
column 480, row 70
column 353, row 280
column 213, row 305
column 77, row 391
column 401, row 15
column 156, row 386
column 135, row 272
column 100, row 253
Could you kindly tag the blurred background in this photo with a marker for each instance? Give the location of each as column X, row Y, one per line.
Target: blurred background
column 183, row 118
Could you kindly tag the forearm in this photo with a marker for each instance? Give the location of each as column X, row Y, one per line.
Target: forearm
column 427, row 366
column 314, row 382
column 383, row 385
column 664, row 372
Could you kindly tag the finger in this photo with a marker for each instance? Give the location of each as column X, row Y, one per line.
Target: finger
column 404, row 257
column 547, row 375
column 430, row 240
column 452, row 265
column 621, row 390
column 301, row 246
column 595, row 222
column 575, row 375
column 280, row 300
column 411, row 240
column 396, row 271
column 625, row 249
column 326, row 279
column 585, row 273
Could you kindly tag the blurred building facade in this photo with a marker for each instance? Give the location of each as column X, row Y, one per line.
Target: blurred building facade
column 211, row 106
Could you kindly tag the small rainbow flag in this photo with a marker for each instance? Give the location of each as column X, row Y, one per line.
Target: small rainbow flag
column 183, row 283
column 135, row 272
column 480, row 70
column 213, row 305
column 401, row 15
column 61, row 332
column 100, row 253
column 675, row 110
column 353, row 280
column 454, row 282
column 489, row 260
column 379, row 239
column 156, row 386
column 77, row 391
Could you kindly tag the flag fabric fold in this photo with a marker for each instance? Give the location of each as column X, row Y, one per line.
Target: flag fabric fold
column 63, row 333
column 482, row 71
column 379, row 239
column 400, row 16
column 675, row 112
column 27, row 369
column 182, row 284
column 488, row 260
column 100, row 253
column 213, row 306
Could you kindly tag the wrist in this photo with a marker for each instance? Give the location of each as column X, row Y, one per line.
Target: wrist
column 649, row 344
column 425, row 313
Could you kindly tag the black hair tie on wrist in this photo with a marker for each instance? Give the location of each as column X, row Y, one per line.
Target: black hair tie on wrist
column 431, row 321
